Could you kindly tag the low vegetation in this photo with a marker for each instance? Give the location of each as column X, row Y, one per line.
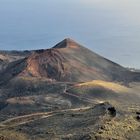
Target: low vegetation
column 12, row 135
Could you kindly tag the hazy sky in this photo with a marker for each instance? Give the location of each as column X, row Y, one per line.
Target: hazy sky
column 108, row 27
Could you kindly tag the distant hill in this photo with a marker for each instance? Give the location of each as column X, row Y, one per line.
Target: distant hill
column 7, row 57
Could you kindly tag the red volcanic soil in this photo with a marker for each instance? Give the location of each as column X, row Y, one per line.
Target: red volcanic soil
column 49, row 64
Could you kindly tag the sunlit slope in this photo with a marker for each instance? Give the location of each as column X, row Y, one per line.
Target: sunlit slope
column 103, row 84
column 98, row 90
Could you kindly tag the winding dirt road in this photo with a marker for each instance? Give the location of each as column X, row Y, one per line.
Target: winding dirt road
column 35, row 116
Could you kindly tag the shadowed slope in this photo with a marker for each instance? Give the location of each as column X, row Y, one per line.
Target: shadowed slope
column 7, row 57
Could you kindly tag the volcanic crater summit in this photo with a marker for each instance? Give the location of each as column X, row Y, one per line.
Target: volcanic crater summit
column 67, row 43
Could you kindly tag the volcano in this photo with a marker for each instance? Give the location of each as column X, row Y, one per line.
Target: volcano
column 68, row 61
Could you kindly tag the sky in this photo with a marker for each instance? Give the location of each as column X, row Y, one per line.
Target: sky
column 110, row 28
